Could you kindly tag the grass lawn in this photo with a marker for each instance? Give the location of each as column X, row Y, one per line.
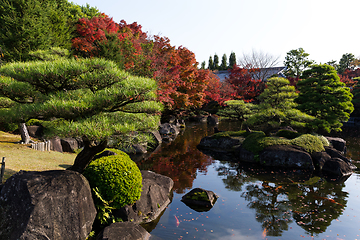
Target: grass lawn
column 22, row 157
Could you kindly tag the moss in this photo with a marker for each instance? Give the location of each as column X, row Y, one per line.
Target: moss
column 199, row 196
column 287, row 134
column 117, row 178
column 309, row 142
column 323, row 139
column 255, row 142
column 230, row 134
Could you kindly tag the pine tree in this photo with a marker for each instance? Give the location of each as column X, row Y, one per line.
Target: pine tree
column 224, row 65
column 211, row 64
column 325, row 97
column 232, row 60
column 216, row 62
column 278, row 108
column 88, row 98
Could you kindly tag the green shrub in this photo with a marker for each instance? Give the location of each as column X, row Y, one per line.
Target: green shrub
column 309, row 142
column 287, row 134
column 33, row 122
column 117, row 179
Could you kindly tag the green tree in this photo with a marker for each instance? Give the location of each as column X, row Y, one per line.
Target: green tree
column 236, row 109
column 29, row 25
column 216, row 62
column 211, row 63
column 203, row 64
column 323, row 96
column 88, row 98
column 278, row 108
column 296, row 61
column 224, row 64
column 345, row 62
column 232, row 60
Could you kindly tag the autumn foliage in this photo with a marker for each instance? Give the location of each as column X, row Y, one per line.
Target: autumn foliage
column 247, row 88
column 181, row 85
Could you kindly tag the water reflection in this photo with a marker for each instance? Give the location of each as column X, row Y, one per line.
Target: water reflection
column 285, row 203
column 180, row 159
column 281, row 197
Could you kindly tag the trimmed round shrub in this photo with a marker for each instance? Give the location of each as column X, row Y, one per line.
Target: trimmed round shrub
column 117, row 179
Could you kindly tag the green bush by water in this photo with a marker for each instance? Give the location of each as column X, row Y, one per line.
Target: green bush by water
column 117, row 179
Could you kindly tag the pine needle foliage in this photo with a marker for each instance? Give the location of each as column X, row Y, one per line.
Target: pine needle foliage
column 86, row 97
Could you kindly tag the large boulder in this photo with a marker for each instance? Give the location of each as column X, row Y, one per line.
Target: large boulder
column 223, row 144
column 69, row 144
column 336, row 167
column 319, row 159
column 35, row 131
column 124, row 231
column 55, row 144
column 337, row 154
column 46, row 205
column 153, row 200
column 212, row 120
column 246, row 156
column 287, row 156
column 337, row 143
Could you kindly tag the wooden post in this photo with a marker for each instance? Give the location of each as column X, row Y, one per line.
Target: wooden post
column 2, row 169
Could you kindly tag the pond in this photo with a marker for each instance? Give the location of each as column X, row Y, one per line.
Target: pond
column 253, row 203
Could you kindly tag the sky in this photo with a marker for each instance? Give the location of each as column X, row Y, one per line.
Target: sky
column 325, row 29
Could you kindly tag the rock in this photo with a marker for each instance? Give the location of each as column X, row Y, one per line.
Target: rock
column 168, row 132
column 46, row 205
column 246, row 156
column 136, row 149
column 337, row 154
column 222, row 144
column 286, row 156
column 319, row 159
column 338, row 143
column 55, row 144
column 35, row 131
column 124, row 231
column 212, row 120
column 69, row 144
column 168, row 129
column 156, row 137
column 153, row 200
column 199, row 199
column 336, row 167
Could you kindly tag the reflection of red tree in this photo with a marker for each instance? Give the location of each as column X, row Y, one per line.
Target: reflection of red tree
column 180, row 160
column 180, row 167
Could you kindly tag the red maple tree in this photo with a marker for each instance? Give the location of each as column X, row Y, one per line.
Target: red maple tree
column 247, row 88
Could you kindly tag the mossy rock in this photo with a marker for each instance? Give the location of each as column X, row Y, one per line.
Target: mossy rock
column 257, row 141
column 117, row 178
column 287, row 134
column 309, row 142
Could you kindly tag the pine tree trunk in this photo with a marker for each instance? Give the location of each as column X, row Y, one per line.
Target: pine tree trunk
column 25, row 138
column 83, row 159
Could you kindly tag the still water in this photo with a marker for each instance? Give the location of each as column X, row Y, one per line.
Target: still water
column 253, row 203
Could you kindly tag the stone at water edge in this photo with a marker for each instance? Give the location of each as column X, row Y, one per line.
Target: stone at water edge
column 124, row 231
column 199, row 199
column 153, row 200
column 46, row 205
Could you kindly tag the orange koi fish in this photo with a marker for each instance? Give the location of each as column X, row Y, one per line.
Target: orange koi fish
column 177, row 221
